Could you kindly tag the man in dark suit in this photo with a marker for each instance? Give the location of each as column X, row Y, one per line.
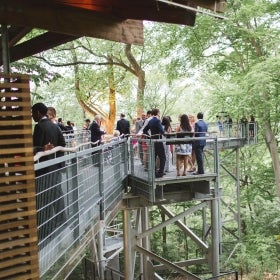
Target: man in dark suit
column 50, row 198
column 200, row 129
column 96, row 131
column 96, row 137
column 156, row 130
column 139, row 124
column 123, row 125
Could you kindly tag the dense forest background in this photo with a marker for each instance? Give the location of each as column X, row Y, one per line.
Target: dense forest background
column 230, row 65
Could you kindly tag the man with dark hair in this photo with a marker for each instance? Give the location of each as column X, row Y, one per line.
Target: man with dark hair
column 61, row 124
column 86, row 125
column 69, row 128
column 156, row 129
column 46, row 134
column 96, row 131
column 50, row 198
column 200, row 129
column 123, row 125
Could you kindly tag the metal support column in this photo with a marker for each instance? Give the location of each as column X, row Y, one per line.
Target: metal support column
column 5, row 48
column 216, row 219
column 238, row 192
column 145, row 240
column 128, row 272
column 101, row 258
column 215, row 237
column 101, row 236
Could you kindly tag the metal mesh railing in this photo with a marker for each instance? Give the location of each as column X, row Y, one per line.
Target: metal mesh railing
column 77, row 138
column 74, row 192
column 246, row 130
column 77, row 190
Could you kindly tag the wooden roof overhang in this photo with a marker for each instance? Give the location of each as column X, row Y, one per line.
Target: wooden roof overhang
column 66, row 20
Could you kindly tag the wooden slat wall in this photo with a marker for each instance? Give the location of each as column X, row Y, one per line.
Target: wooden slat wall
column 18, row 226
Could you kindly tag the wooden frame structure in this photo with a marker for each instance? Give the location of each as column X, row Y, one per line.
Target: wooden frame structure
column 66, row 20
column 18, row 227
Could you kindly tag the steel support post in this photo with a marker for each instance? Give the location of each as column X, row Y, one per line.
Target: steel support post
column 101, row 257
column 94, row 251
column 215, row 237
column 128, row 269
column 238, row 192
column 216, row 218
column 145, row 240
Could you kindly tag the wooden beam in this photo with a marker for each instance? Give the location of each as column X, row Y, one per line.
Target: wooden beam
column 38, row 44
column 218, row 6
column 153, row 11
column 70, row 21
column 16, row 33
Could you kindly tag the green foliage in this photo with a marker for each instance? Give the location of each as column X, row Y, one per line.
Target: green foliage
column 61, row 95
column 37, row 72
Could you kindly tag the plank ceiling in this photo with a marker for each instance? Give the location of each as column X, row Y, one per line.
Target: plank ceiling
column 66, row 20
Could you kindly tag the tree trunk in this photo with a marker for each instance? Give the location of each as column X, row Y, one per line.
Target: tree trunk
column 112, row 97
column 140, row 73
column 140, row 92
column 87, row 106
column 271, row 143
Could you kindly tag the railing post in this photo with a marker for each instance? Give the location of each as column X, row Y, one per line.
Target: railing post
column 130, row 144
column 100, row 156
column 151, row 167
column 74, row 185
column 101, row 238
column 126, row 154
column 116, row 154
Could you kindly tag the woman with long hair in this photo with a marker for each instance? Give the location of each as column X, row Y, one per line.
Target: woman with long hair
column 184, row 151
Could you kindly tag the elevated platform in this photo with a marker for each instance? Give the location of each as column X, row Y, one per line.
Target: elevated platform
column 97, row 183
column 171, row 188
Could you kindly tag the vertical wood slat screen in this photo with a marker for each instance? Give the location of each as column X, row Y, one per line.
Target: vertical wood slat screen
column 18, row 226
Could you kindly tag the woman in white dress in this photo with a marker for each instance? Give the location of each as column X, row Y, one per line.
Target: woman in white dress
column 184, row 151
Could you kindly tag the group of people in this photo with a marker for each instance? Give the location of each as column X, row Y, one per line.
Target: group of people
column 68, row 128
column 150, row 124
column 48, row 134
column 187, row 152
column 245, row 126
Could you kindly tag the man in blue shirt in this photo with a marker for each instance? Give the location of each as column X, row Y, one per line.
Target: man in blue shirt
column 156, row 132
